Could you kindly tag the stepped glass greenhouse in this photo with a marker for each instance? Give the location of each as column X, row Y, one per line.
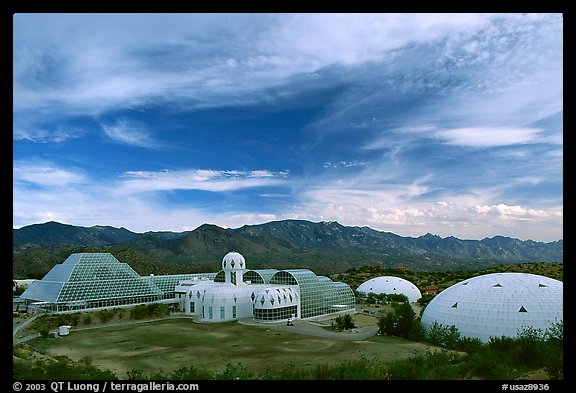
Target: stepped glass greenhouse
column 87, row 281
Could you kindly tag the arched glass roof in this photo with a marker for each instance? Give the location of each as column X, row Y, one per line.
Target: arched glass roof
column 259, row 276
column 318, row 294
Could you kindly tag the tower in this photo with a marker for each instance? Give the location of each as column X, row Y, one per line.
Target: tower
column 234, row 266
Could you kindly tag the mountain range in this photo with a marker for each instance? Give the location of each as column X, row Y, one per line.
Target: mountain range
column 323, row 246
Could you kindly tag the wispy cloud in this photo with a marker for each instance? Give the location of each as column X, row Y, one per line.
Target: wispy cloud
column 397, row 212
column 46, row 174
column 44, row 191
column 45, row 135
column 488, row 136
column 129, row 132
column 122, row 60
column 199, row 179
column 444, row 123
column 344, row 164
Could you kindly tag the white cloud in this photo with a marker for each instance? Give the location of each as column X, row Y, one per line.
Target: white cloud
column 344, row 164
column 516, row 212
column 43, row 191
column 413, row 209
column 94, row 62
column 46, row 174
column 198, row 179
column 458, row 78
column 489, row 136
column 44, row 135
column 129, row 132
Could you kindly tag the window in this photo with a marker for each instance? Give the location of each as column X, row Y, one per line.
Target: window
column 275, row 314
column 210, row 314
column 233, row 312
column 222, row 313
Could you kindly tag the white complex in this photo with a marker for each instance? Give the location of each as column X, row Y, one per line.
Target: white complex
column 266, row 295
column 89, row 281
column 391, row 285
column 498, row 304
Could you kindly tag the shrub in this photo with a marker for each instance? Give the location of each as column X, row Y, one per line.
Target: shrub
column 442, row 335
column 488, row 363
column 233, row 372
column 190, row 373
column 401, row 322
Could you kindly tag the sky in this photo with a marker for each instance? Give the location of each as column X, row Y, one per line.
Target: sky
column 450, row 124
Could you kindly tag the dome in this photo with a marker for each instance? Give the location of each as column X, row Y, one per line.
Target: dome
column 276, row 297
column 497, row 304
column 233, row 261
column 391, row 285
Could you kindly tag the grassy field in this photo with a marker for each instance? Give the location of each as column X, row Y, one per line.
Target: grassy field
column 174, row 343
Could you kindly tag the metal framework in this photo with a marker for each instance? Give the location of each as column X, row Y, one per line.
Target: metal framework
column 99, row 280
column 318, row 294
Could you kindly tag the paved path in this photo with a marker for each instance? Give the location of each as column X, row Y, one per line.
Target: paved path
column 25, row 339
column 25, row 323
column 313, row 329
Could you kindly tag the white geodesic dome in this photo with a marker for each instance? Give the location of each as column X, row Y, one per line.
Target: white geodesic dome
column 497, row 304
column 391, row 285
column 233, row 261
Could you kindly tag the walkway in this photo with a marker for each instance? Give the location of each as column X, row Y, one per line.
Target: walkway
column 311, row 328
column 25, row 323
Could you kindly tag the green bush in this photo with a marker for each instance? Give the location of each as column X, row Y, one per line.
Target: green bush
column 442, row 335
column 400, row 322
column 343, row 322
column 190, row 374
column 149, row 310
column 105, row 315
column 234, row 372
column 488, row 363
column 428, row 366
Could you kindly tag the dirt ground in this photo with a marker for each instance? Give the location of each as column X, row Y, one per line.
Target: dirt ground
column 174, row 343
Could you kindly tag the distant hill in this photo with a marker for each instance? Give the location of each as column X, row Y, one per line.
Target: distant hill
column 56, row 233
column 324, row 247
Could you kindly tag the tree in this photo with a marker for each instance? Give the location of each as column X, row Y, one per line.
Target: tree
column 343, row 322
column 401, row 322
column 442, row 335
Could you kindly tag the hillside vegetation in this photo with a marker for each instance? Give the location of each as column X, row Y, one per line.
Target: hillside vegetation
column 356, row 276
column 324, row 247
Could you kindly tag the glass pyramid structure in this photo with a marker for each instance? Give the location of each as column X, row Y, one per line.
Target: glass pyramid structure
column 92, row 280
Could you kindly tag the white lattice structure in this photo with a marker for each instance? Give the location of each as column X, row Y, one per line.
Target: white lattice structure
column 498, row 304
column 98, row 280
column 391, row 285
column 267, row 295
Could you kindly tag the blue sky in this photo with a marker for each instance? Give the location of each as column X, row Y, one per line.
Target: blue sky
column 410, row 123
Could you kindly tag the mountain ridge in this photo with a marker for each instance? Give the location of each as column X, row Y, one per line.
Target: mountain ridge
column 288, row 238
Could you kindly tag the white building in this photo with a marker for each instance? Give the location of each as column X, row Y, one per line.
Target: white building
column 391, row 285
column 498, row 304
column 266, row 295
column 88, row 281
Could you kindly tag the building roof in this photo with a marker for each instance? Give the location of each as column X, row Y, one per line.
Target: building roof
column 233, row 261
column 391, row 285
column 90, row 276
column 497, row 304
